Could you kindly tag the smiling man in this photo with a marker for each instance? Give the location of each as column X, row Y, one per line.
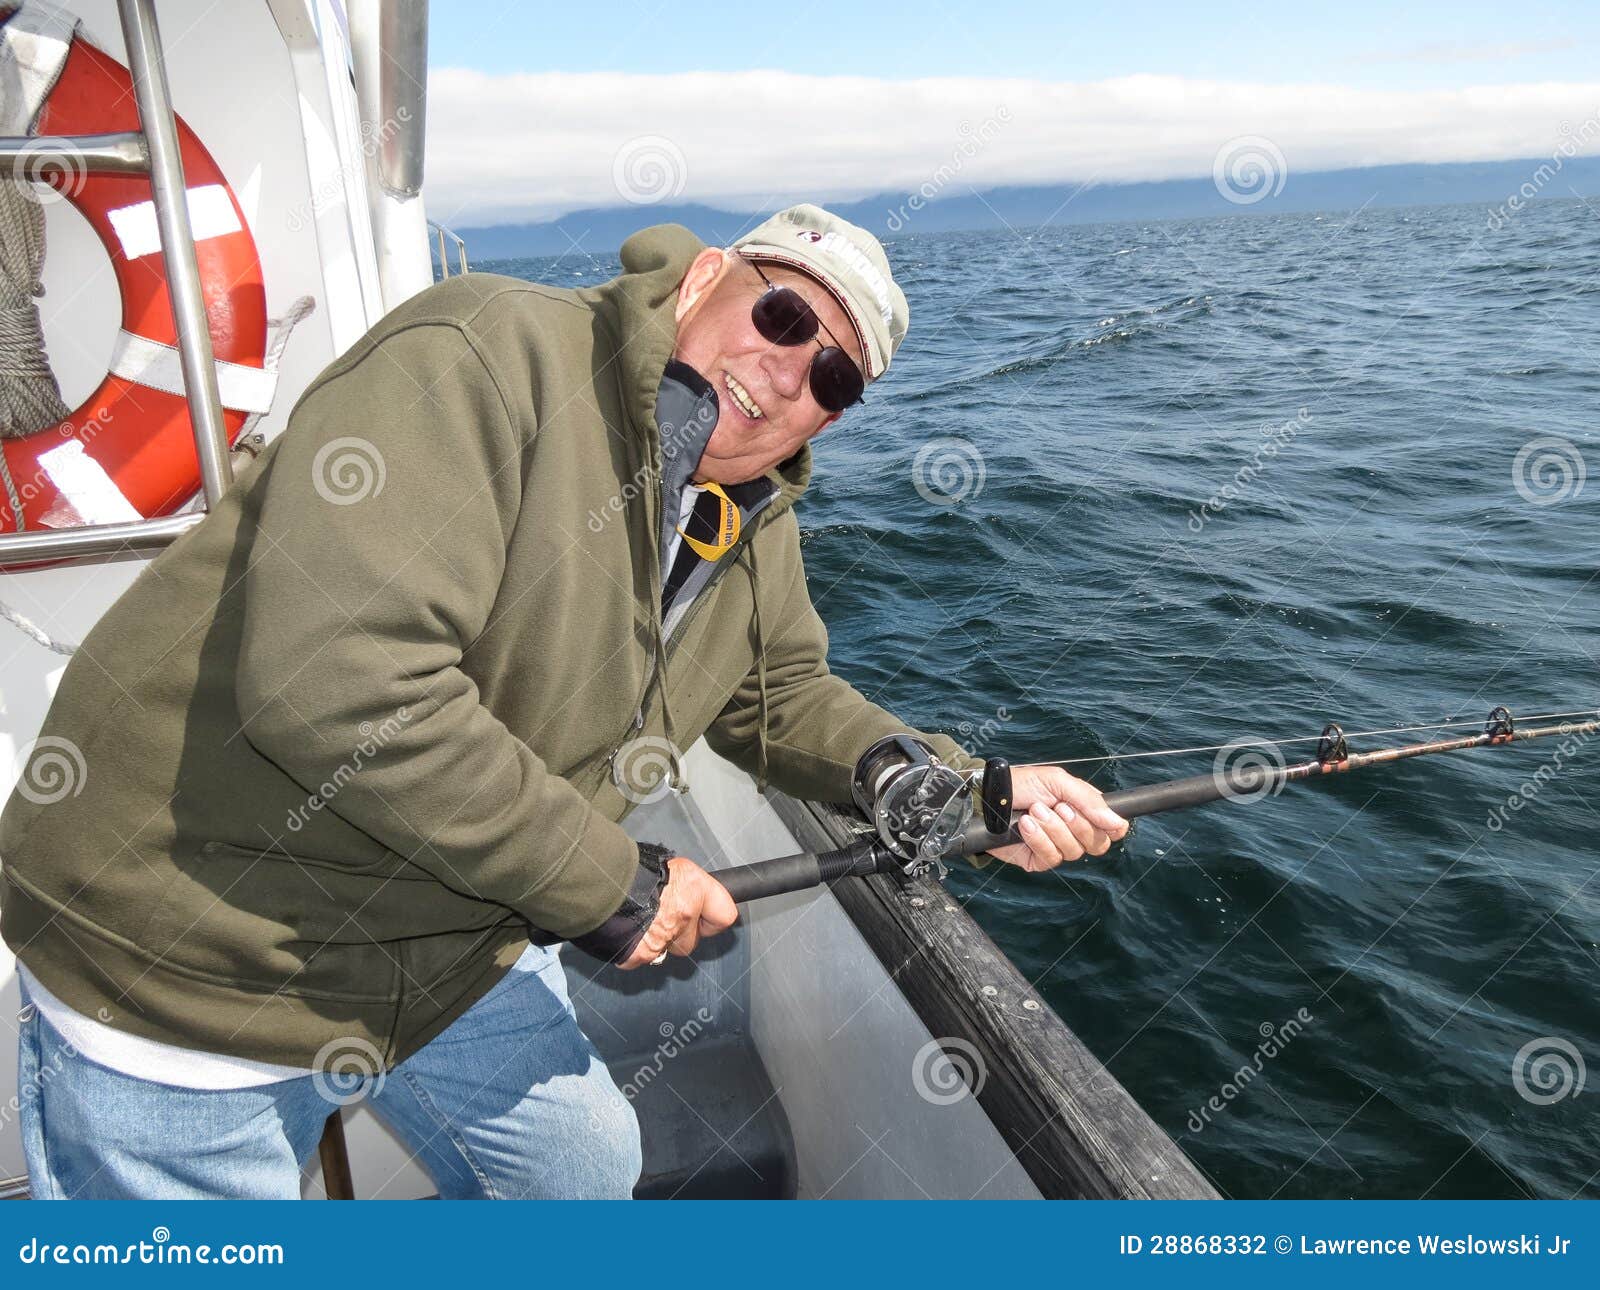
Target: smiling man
column 357, row 746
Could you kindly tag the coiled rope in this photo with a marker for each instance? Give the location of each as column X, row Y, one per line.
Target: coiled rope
column 30, row 399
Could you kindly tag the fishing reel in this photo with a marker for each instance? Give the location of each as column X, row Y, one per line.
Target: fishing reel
column 920, row 807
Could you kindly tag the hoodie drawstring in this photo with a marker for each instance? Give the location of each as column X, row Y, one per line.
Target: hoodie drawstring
column 677, row 777
column 761, row 670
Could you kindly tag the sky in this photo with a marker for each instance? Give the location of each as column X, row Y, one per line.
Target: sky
column 539, row 109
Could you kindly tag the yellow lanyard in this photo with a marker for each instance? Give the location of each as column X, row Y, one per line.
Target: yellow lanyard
column 727, row 528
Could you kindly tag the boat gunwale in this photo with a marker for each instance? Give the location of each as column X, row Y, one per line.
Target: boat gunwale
column 1076, row 1131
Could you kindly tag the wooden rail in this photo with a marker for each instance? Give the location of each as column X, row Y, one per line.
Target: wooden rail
column 1074, row 1128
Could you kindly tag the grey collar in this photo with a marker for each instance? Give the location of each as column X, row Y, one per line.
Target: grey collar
column 686, row 414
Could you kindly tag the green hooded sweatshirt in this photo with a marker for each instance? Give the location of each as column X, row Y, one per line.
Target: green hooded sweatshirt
column 338, row 747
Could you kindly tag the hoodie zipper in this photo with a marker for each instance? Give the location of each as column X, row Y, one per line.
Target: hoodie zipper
column 704, row 595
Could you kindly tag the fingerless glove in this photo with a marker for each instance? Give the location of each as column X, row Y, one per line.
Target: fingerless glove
column 616, row 938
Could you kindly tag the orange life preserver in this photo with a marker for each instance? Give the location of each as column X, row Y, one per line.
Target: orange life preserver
column 135, row 455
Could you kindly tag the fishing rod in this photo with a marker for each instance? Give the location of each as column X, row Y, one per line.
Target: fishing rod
column 924, row 812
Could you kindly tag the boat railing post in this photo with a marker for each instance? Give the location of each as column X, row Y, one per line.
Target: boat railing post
column 119, row 153
column 148, row 66
column 444, row 254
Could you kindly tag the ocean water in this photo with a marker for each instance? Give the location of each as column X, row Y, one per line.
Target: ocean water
column 1136, row 487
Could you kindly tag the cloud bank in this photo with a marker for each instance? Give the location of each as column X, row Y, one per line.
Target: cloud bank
column 523, row 147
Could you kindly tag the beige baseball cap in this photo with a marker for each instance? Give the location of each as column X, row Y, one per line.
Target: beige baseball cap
column 848, row 261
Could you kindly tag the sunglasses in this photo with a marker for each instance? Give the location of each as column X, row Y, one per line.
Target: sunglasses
column 783, row 317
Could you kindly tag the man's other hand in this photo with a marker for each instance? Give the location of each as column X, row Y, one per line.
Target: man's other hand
column 1063, row 818
column 693, row 904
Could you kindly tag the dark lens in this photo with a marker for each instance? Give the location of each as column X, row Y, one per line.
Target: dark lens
column 836, row 381
column 784, row 317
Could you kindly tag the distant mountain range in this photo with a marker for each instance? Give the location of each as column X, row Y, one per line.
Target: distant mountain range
column 891, row 215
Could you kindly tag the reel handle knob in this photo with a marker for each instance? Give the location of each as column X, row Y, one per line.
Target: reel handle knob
column 994, row 795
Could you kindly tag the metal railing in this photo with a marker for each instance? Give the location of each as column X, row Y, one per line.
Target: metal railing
column 152, row 150
column 444, row 259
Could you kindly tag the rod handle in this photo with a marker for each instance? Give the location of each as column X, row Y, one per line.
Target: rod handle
column 747, row 882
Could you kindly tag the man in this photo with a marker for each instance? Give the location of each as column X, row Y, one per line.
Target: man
column 354, row 750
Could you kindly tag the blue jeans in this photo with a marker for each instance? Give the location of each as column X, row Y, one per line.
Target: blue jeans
column 510, row 1101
